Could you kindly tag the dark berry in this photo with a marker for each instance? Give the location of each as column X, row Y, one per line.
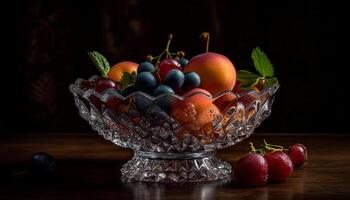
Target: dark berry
column 103, row 83
column 146, row 67
column 175, row 79
column 43, row 163
column 183, row 62
column 113, row 103
column 94, row 100
column 192, row 80
column 165, row 103
column 142, row 102
column 117, row 87
column 251, row 170
column 146, row 82
column 166, row 65
column 163, row 89
column 298, row 154
column 280, row 166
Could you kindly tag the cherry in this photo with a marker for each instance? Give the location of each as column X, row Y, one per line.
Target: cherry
column 94, row 100
column 298, row 154
column 113, row 103
column 280, row 166
column 251, row 170
column 103, row 83
column 166, row 65
column 117, row 86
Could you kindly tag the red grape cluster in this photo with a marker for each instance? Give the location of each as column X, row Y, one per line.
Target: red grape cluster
column 269, row 163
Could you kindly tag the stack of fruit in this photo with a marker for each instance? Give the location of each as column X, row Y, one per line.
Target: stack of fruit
column 269, row 163
column 207, row 84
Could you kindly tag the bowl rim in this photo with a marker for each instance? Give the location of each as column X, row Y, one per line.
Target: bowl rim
column 75, row 88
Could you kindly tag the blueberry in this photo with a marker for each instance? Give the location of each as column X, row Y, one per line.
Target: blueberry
column 129, row 90
column 142, row 102
column 146, row 82
column 192, row 80
column 162, row 89
column 183, row 62
column 165, row 103
column 175, row 79
column 43, row 163
column 146, row 67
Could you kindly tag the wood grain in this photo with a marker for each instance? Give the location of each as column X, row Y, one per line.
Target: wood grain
column 88, row 167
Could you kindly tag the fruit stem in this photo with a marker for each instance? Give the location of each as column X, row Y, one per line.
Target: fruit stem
column 170, row 37
column 252, row 148
column 205, row 36
column 273, row 145
column 17, row 173
column 166, row 50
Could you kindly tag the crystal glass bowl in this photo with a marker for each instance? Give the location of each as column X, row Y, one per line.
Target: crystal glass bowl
column 174, row 138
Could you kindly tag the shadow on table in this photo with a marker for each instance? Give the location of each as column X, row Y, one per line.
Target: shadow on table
column 101, row 179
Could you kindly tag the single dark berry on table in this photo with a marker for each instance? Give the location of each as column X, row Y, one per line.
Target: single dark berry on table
column 43, row 163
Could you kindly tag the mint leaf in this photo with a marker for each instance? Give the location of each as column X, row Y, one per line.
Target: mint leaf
column 270, row 82
column 100, row 62
column 248, row 85
column 262, row 63
column 246, row 76
column 128, row 79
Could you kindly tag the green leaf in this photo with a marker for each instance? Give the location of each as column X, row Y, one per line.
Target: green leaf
column 270, row 82
column 100, row 62
column 245, row 86
column 246, row 76
column 262, row 63
column 248, row 85
column 128, row 79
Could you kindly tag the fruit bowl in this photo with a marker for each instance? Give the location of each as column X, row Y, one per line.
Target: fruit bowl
column 173, row 140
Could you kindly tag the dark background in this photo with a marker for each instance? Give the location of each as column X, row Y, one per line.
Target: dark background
column 46, row 45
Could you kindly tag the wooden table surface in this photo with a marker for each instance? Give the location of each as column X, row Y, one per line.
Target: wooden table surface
column 88, row 167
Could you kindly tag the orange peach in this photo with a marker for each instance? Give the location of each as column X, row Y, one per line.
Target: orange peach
column 195, row 111
column 116, row 71
column 225, row 101
column 237, row 89
column 197, row 91
column 217, row 72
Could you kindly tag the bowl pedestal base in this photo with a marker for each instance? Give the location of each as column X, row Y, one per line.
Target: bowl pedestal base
column 175, row 167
